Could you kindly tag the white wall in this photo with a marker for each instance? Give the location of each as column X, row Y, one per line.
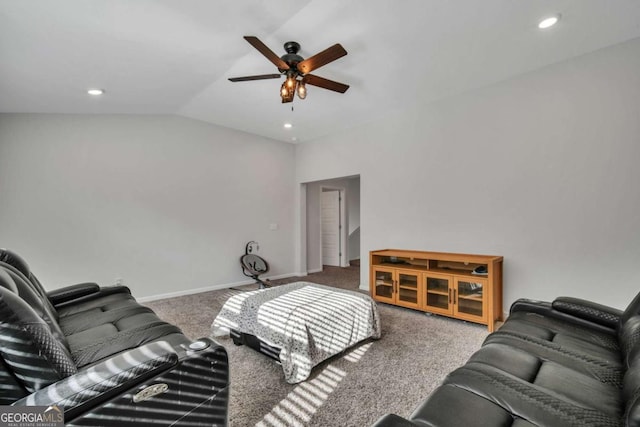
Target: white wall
column 314, row 229
column 353, row 203
column 166, row 203
column 542, row 169
column 351, row 186
column 353, row 209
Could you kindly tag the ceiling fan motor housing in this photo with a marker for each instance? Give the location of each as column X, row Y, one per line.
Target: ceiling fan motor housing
column 291, row 47
column 291, row 57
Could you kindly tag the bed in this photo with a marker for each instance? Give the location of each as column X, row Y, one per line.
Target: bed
column 300, row 324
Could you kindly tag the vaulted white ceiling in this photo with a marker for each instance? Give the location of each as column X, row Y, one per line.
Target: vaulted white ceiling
column 174, row 57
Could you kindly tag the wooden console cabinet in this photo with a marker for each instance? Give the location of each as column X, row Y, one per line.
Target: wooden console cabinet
column 439, row 282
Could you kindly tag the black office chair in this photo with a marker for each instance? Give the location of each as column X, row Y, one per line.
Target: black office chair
column 253, row 266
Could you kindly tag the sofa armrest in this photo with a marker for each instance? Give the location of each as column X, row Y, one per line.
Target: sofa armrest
column 393, row 420
column 567, row 310
column 98, row 383
column 587, row 310
column 191, row 383
column 68, row 293
column 530, row 305
column 87, row 295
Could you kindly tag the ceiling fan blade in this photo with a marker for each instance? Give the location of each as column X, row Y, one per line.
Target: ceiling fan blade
column 268, row 53
column 258, row 77
column 318, row 60
column 325, row 83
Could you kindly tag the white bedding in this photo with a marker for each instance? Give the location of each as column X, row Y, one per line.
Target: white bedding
column 307, row 321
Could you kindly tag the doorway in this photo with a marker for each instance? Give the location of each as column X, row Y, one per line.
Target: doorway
column 332, row 235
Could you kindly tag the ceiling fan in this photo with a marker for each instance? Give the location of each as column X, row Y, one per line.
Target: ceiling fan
column 297, row 69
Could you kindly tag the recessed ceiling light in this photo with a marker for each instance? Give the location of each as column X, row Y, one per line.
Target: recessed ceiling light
column 95, row 92
column 548, row 22
column 288, row 125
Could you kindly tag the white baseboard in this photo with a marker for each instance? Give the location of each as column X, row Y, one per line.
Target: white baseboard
column 282, row 276
column 209, row 288
column 315, row 270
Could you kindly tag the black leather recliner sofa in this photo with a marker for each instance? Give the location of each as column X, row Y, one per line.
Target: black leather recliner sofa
column 567, row 363
column 102, row 357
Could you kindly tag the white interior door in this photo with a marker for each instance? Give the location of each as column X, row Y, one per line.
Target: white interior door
column 330, row 221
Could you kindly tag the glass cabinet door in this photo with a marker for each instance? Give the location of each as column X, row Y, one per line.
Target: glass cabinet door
column 383, row 284
column 470, row 301
column 407, row 289
column 438, row 293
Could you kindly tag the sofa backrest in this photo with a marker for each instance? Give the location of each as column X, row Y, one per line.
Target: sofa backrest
column 31, row 355
column 631, row 394
column 630, row 345
column 632, row 309
column 41, row 305
column 20, row 266
column 15, row 260
column 629, row 339
column 11, row 386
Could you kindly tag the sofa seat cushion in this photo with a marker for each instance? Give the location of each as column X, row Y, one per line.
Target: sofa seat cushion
column 100, row 341
column 94, row 317
column 605, row 370
column 535, row 403
column 526, row 362
column 535, row 336
column 453, row 406
column 102, row 302
column 535, row 333
column 555, row 326
column 571, row 383
column 579, row 388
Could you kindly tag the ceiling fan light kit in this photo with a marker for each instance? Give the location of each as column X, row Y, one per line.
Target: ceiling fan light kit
column 302, row 90
column 286, row 92
column 297, row 69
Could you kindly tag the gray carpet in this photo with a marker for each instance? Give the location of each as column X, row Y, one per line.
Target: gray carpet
column 392, row 374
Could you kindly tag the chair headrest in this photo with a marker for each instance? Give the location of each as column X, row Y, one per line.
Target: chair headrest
column 15, row 260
